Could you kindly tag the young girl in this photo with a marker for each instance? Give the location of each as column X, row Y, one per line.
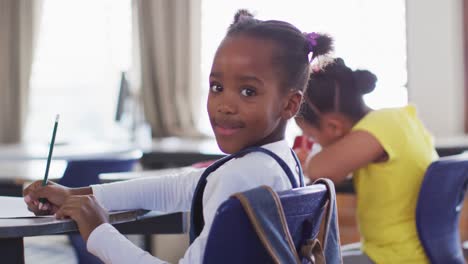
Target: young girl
column 387, row 150
column 258, row 74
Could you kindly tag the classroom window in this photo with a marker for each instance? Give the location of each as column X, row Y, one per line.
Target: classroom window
column 368, row 34
column 83, row 46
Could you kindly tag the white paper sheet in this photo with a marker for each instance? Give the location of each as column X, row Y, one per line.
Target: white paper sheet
column 13, row 207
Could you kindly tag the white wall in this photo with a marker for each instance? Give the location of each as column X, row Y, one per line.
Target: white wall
column 435, row 63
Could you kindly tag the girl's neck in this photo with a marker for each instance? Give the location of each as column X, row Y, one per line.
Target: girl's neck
column 275, row 136
column 365, row 111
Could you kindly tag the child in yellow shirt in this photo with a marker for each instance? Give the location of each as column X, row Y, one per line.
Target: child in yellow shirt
column 387, row 150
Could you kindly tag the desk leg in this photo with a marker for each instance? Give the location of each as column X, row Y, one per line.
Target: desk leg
column 12, row 250
column 148, row 243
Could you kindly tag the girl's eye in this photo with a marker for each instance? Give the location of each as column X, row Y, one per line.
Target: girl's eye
column 216, row 88
column 248, row 92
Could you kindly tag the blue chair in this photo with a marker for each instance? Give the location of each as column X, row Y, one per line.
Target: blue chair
column 84, row 172
column 438, row 209
column 232, row 237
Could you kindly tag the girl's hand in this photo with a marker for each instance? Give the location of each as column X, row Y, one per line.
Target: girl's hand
column 86, row 211
column 302, row 149
column 55, row 194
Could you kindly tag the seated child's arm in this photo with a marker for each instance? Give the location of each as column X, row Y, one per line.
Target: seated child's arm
column 337, row 161
column 168, row 193
column 163, row 193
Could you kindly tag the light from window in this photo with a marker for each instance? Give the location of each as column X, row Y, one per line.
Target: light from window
column 83, row 47
column 368, row 34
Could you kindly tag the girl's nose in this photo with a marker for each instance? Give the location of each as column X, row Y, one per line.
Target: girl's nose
column 226, row 108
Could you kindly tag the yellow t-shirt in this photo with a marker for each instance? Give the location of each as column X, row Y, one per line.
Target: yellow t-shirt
column 387, row 191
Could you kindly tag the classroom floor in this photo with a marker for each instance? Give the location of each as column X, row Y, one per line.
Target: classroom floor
column 56, row 249
column 48, row 250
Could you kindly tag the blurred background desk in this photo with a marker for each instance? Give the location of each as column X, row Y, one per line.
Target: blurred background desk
column 72, row 151
column 177, row 152
column 14, row 173
column 22, row 163
column 446, row 146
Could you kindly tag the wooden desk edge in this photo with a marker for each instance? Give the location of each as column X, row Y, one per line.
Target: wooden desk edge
column 129, row 222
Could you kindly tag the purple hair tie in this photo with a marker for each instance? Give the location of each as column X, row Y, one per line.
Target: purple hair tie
column 312, row 39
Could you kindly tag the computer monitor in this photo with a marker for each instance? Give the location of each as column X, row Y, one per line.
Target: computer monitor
column 124, row 94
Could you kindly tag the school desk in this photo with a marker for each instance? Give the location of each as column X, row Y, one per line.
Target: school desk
column 12, row 231
column 14, row 173
column 453, row 145
column 178, row 152
column 26, row 162
column 69, row 151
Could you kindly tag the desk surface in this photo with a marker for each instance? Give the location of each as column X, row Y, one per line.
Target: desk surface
column 174, row 144
column 453, row 145
column 178, row 152
column 128, row 221
column 21, row 171
column 72, row 151
column 450, row 142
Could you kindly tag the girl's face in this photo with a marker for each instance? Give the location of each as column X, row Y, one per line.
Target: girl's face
column 330, row 130
column 246, row 104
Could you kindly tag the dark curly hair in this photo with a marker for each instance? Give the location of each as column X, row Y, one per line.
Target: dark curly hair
column 336, row 88
column 293, row 46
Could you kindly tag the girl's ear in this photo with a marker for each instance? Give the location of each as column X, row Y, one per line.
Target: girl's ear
column 334, row 126
column 292, row 104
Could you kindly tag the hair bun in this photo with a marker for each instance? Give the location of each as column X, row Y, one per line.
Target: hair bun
column 364, row 80
column 242, row 15
column 339, row 62
column 324, row 45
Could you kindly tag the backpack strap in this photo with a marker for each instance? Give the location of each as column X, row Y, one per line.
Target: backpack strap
column 264, row 210
column 331, row 236
column 196, row 217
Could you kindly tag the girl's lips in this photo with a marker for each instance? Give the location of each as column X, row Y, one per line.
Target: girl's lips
column 225, row 131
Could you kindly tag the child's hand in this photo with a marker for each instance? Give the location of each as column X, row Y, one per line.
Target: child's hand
column 55, row 194
column 86, row 211
column 302, row 155
column 302, row 149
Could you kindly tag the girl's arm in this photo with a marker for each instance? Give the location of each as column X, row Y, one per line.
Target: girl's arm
column 337, row 161
column 167, row 193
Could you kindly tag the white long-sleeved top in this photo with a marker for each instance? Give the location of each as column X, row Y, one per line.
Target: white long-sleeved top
column 173, row 193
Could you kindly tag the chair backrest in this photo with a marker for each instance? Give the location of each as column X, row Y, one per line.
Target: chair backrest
column 232, row 238
column 438, row 209
column 84, row 172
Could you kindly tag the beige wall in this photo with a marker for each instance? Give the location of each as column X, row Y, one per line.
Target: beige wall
column 435, row 63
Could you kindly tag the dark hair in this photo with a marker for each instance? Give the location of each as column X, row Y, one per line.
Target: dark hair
column 336, row 88
column 293, row 46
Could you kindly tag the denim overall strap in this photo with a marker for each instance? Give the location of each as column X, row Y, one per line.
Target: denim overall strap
column 196, row 213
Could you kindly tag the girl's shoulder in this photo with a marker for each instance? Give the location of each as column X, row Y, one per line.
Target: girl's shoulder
column 388, row 118
column 257, row 164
